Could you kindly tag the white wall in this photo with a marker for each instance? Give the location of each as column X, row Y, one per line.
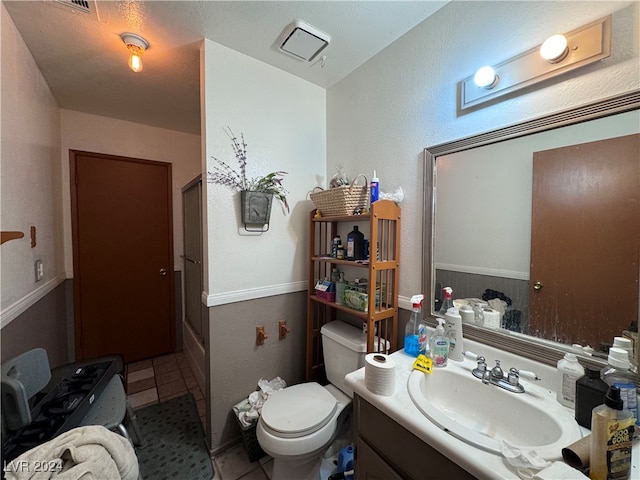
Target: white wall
column 283, row 121
column 31, row 186
column 404, row 99
column 94, row 133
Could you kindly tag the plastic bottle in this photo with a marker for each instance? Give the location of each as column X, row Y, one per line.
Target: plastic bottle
column 618, row 373
column 374, row 187
column 439, row 346
column 569, row 371
column 453, row 329
column 334, row 246
column 355, row 244
column 411, row 333
column 590, row 392
column 611, row 436
column 447, row 301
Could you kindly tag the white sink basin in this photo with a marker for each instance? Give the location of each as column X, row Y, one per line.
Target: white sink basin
column 485, row 415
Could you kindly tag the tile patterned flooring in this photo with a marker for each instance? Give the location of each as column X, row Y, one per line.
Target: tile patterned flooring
column 170, row 376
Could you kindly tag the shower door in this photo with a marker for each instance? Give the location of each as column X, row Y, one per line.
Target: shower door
column 192, row 218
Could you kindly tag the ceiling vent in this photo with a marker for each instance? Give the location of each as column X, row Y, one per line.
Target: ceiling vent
column 302, row 41
column 87, row 7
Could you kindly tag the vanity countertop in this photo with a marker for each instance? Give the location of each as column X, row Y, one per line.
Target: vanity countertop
column 400, row 408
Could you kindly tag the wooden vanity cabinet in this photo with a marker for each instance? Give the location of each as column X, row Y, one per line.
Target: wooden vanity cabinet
column 387, row 451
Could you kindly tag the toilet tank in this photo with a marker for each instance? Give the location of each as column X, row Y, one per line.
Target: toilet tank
column 344, row 349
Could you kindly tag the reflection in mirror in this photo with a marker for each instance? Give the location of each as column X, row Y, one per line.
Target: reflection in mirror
column 483, row 204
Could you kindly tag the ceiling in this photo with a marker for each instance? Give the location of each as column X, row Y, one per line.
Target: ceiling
column 84, row 61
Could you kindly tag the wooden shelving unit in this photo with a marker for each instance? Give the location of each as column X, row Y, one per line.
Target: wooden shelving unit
column 381, row 227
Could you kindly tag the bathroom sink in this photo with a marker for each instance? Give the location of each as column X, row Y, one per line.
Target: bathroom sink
column 486, row 415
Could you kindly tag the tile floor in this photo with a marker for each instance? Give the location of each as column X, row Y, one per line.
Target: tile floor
column 170, row 376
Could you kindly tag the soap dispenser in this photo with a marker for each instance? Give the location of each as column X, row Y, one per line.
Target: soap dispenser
column 453, row 329
column 439, row 346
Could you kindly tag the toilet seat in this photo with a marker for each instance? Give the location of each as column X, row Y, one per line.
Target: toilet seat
column 299, row 410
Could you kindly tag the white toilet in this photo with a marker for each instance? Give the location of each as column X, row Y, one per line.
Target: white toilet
column 298, row 423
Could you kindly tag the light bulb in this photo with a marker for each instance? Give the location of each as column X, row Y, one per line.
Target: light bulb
column 135, row 62
column 554, row 49
column 486, row 77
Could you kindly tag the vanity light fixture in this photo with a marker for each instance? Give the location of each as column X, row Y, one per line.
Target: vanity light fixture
column 136, row 46
column 554, row 49
column 559, row 54
column 486, row 77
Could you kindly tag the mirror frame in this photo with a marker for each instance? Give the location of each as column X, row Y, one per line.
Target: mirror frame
column 538, row 349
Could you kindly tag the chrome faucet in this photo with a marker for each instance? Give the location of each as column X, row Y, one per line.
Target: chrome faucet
column 496, row 376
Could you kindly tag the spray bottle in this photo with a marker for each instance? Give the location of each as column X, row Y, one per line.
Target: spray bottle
column 447, row 300
column 411, row 333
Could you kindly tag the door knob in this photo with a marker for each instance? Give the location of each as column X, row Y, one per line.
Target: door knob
column 163, row 272
column 538, row 286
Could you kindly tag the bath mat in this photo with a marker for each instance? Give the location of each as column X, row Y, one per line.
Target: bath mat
column 175, row 446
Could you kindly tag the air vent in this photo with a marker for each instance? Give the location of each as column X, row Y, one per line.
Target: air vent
column 87, row 7
column 302, row 41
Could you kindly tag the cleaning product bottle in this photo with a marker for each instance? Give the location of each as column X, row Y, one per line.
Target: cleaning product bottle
column 453, row 329
column 411, row 334
column 439, row 346
column 618, row 373
column 447, row 300
column 569, row 371
column 611, row 436
column 590, row 392
column 355, row 244
column 374, row 187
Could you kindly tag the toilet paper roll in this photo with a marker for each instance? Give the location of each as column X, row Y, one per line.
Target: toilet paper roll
column 492, row 318
column 380, row 374
column 578, row 454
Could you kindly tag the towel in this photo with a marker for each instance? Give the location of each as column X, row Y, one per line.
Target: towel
column 559, row 471
column 87, row 453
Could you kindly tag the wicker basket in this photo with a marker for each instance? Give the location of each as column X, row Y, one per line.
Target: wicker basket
column 343, row 200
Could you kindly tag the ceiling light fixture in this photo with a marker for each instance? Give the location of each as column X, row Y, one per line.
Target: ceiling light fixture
column 559, row 54
column 136, row 46
column 554, row 49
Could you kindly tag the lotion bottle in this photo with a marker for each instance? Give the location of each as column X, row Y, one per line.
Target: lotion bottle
column 453, row 329
column 611, row 437
column 439, row 346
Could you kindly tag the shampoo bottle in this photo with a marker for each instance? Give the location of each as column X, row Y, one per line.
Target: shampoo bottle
column 411, row 333
column 453, row 329
column 611, row 436
column 439, row 346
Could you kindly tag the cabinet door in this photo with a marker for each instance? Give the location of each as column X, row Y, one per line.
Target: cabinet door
column 369, row 466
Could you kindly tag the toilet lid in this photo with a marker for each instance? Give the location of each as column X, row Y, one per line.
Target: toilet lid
column 299, row 410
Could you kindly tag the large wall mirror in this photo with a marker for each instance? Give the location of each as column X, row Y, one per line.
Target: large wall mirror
column 492, row 199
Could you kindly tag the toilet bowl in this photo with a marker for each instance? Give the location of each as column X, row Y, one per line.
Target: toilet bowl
column 298, row 423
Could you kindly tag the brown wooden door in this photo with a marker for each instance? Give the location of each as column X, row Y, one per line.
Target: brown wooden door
column 122, row 255
column 585, row 241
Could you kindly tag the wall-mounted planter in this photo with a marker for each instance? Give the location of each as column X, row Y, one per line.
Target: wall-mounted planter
column 256, row 209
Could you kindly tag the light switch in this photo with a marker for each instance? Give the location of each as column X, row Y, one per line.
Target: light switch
column 39, row 270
